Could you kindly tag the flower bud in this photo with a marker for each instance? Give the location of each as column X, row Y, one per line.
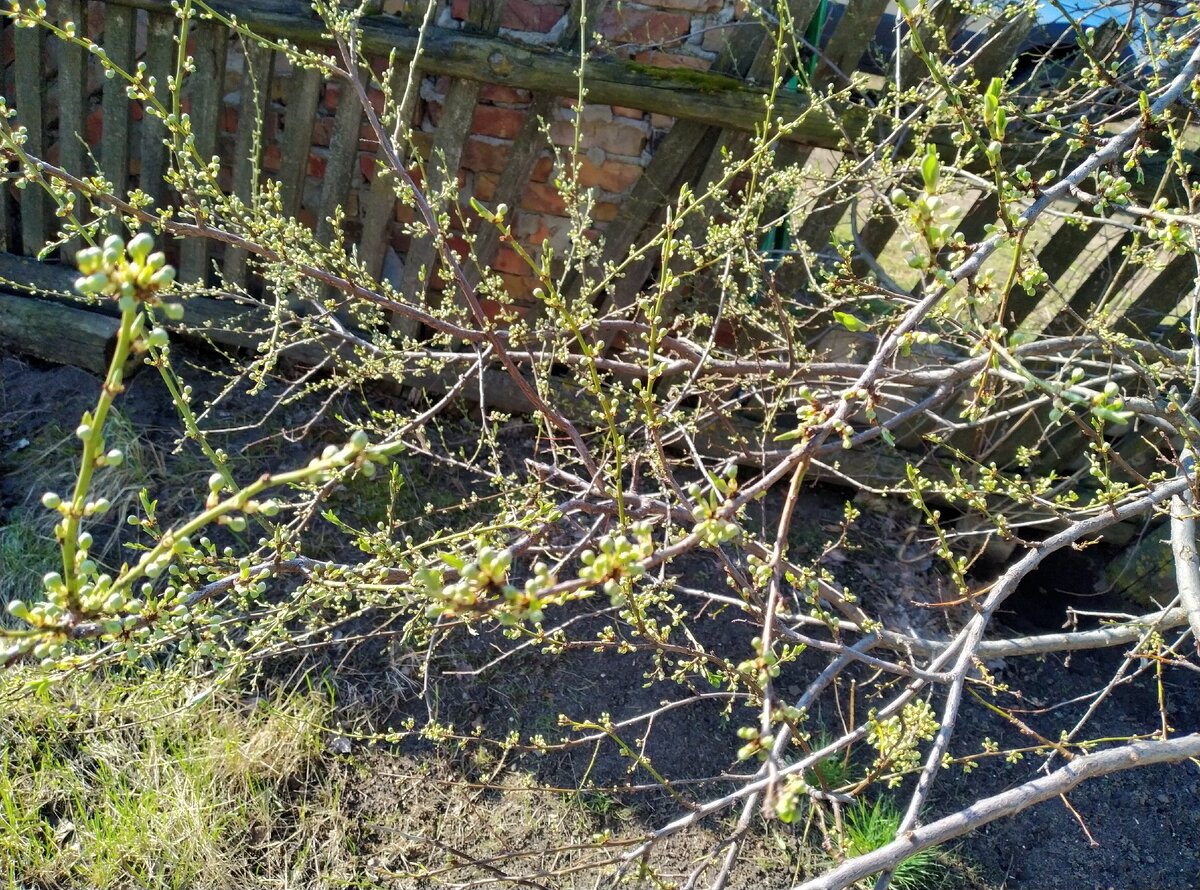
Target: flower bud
column 139, row 247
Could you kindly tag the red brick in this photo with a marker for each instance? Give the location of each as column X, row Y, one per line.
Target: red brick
column 622, row 111
column 542, row 197
column 715, row 37
column 272, row 158
column 519, row 287
column 508, row 260
column 501, row 123
column 612, row 176
column 620, row 136
column 485, row 154
column 494, row 92
column 316, row 165
column 333, row 93
column 505, row 313
column 542, row 168
column 521, row 15
column 485, row 186
column 460, row 8
column 605, row 211
column 617, row 137
column 628, row 24
column 542, row 233
column 672, row 60
column 322, row 131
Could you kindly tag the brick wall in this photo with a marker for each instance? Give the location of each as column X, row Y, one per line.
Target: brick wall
column 616, row 143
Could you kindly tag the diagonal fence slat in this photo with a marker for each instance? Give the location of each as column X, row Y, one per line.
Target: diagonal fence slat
column 529, row 144
column 458, row 113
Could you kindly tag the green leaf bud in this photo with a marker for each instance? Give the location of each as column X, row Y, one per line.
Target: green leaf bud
column 51, row 501
column 88, row 260
column 139, row 247
column 163, row 277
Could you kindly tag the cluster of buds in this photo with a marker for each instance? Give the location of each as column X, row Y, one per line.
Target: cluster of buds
column 128, row 273
column 617, row 561
column 483, row 588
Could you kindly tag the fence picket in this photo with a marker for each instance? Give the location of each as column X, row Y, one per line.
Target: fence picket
column 160, row 64
column 1098, row 289
column 300, row 114
column 71, row 98
column 204, row 88
column 29, row 45
column 454, row 127
column 247, row 152
column 340, row 163
column 528, row 146
column 119, row 23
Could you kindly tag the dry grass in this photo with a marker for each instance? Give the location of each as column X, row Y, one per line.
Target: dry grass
column 105, row 785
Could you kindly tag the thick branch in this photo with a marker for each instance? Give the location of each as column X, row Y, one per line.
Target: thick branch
column 980, row 813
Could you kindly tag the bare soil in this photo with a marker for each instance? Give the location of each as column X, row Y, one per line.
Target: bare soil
column 431, row 814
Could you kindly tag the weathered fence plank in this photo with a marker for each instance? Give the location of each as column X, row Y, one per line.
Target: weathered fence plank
column 715, row 99
column 340, row 165
column 848, row 43
column 1056, row 257
column 441, row 167
column 29, row 45
column 204, row 89
column 119, row 25
column 71, row 90
column 299, row 117
column 247, row 152
column 1170, row 287
column 160, row 64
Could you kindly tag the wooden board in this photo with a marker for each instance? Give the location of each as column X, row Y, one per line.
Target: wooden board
column 205, row 90
column 299, row 116
column 29, row 45
column 71, row 94
column 247, row 151
column 114, row 140
column 161, row 50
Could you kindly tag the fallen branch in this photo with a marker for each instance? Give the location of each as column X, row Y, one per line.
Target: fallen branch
column 1183, row 547
column 1008, row 803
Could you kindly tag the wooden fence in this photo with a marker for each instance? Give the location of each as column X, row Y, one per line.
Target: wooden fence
column 714, row 112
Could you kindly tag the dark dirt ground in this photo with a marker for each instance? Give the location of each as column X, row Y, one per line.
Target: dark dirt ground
column 1146, row 823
